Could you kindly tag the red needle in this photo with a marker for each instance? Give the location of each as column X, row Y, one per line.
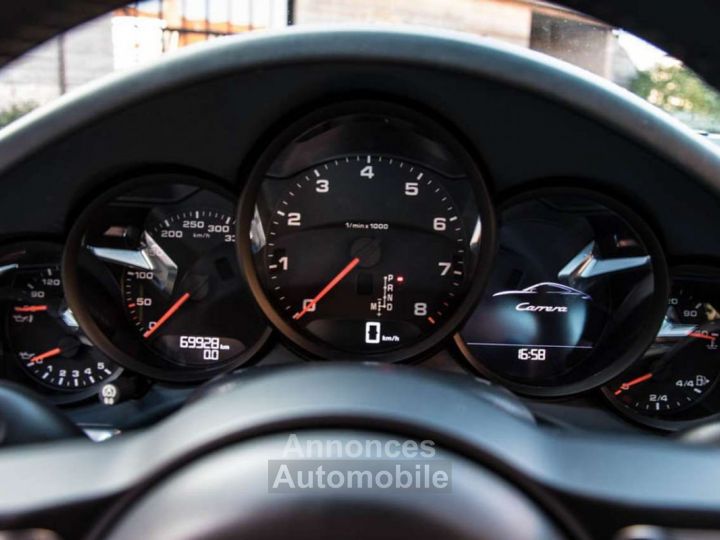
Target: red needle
column 627, row 385
column 169, row 313
column 337, row 279
column 700, row 335
column 48, row 354
column 30, row 309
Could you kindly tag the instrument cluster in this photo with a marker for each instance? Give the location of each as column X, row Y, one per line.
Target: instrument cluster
column 364, row 231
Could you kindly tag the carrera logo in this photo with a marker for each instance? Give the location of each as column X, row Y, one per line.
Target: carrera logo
column 527, row 306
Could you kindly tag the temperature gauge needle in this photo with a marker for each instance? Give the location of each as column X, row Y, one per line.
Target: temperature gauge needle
column 30, row 309
column 700, row 335
column 47, row 354
column 330, row 286
column 629, row 384
column 169, row 313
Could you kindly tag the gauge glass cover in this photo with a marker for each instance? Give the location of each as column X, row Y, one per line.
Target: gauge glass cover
column 575, row 295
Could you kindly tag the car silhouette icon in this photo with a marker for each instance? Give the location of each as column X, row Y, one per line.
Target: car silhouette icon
column 547, row 287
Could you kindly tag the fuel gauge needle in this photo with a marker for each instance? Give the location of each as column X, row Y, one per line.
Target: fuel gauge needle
column 169, row 313
column 629, row 384
column 47, row 354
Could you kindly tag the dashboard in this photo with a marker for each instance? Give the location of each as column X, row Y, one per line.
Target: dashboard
column 195, row 233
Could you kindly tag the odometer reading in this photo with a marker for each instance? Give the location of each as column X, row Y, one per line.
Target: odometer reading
column 366, row 254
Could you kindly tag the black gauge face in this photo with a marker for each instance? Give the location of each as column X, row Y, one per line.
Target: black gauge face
column 366, row 253
column 682, row 367
column 152, row 274
column 673, row 380
column 44, row 335
column 171, row 301
column 573, row 289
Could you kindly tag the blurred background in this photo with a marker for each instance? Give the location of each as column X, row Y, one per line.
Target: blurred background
column 143, row 31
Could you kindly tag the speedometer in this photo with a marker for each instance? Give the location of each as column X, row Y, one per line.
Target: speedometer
column 364, row 254
column 170, row 298
column 152, row 277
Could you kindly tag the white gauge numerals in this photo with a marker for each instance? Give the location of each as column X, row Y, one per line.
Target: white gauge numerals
column 397, row 218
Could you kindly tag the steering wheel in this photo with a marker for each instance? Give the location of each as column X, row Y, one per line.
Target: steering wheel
column 236, row 463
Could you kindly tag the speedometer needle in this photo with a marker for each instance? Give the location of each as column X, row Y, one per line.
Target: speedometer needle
column 47, row 354
column 330, row 286
column 169, row 313
column 629, row 384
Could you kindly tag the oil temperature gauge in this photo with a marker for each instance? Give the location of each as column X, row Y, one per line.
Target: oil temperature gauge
column 42, row 332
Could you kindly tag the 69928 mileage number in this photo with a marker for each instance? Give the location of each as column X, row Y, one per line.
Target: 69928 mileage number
column 210, row 346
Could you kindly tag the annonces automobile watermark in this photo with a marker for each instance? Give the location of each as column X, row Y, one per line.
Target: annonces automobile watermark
column 359, row 464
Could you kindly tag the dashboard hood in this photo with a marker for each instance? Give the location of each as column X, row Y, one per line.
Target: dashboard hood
column 463, row 53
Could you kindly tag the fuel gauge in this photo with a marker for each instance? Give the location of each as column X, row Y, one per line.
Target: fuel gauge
column 674, row 382
column 673, row 379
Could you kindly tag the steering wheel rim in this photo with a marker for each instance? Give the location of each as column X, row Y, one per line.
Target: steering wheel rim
column 232, row 493
column 600, row 481
column 331, row 414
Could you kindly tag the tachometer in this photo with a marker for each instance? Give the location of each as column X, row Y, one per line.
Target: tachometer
column 364, row 254
column 369, row 254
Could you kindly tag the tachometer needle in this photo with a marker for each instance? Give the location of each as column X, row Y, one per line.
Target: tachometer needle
column 47, row 354
column 169, row 313
column 30, row 309
column 629, row 384
column 333, row 282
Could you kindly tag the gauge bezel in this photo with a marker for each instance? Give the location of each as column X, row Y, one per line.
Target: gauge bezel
column 648, row 331
column 124, row 185
column 283, row 136
column 682, row 270
column 15, row 371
